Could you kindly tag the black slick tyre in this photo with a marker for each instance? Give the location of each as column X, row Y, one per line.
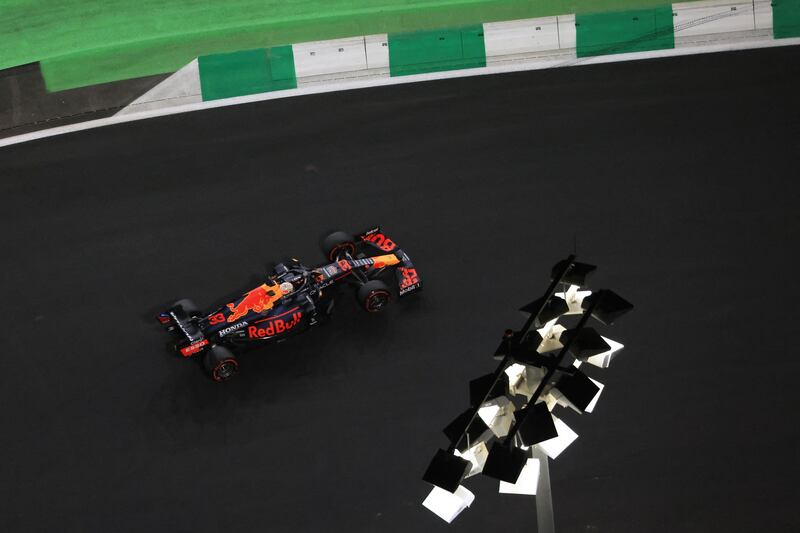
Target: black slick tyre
column 189, row 307
column 220, row 363
column 338, row 243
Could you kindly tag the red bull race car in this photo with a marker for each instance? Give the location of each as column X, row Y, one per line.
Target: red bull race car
column 293, row 298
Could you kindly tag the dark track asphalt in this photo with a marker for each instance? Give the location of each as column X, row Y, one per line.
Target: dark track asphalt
column 678, row 176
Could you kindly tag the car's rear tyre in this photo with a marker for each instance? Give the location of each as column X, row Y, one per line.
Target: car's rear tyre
column 189, row 307
column 374, row 296
column 220, row 363
column 337, row 243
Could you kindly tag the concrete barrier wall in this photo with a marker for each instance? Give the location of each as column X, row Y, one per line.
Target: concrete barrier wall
column 517, row 44
column 493, row 47
column 584, row 35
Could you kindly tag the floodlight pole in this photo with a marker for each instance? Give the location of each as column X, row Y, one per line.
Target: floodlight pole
column 504, row 462
column 516, row 339
column 544, row 496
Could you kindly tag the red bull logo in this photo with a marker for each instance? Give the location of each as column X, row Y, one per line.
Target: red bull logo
column 258, row 300
column 274, row 327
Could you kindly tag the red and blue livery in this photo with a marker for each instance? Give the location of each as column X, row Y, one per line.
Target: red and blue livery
column 292, row 299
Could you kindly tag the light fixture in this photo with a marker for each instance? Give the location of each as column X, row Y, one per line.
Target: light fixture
column 447, row 470
column 553, row 447
column 607, row 306
column 593, row 403
column 448, row 505
column 527, row 482
column 523, row 379
column 504, row 462
column 584, row 342
column 498, row 415
column 509, row 431
column 478, row 389
column 555, row 397
column 571, row 272
column 573, row 298
column 537, row 426
column 603, row 360
column 460, row 434
column 546, row 309
column 578, row 389
column 476, row 455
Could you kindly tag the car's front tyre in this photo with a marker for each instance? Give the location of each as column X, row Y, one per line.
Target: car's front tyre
column 374, row 296
column 338, row 243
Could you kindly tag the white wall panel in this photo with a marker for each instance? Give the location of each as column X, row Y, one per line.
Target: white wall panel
column 377, row 50
column 520, row 36
column 328, row 57
column 712, row 16
column 763, row 14
column 566, row 31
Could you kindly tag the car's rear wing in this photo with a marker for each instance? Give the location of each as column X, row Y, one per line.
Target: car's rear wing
column 192, row 339
column 406, row 273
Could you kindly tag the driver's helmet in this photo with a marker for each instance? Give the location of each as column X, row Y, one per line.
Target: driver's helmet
column 297, row 280
column 286, row 287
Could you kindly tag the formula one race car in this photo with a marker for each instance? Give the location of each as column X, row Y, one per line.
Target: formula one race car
column 292, row 299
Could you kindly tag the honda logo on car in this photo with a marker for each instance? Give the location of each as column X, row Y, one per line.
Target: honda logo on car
column 274, row 327
column 231, row 329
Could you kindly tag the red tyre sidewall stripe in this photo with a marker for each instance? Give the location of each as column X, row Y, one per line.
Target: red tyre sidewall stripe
column 334, row 252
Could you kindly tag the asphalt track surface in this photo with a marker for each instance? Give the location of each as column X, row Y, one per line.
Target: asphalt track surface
column 678, row 176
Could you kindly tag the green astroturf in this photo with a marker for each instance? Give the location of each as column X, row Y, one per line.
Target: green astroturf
column 84, row 42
